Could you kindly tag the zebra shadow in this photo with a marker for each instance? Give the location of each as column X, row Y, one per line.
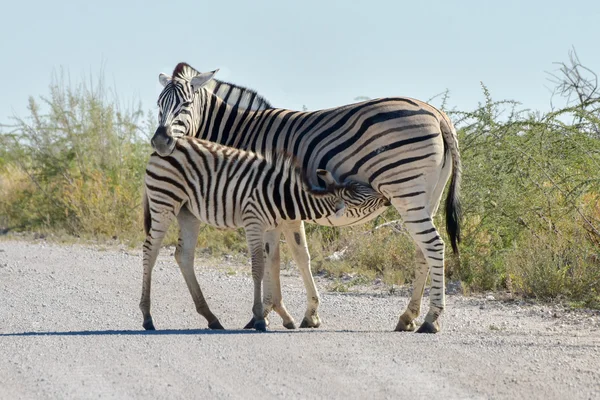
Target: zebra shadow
column 116, row 332
column 183, row 332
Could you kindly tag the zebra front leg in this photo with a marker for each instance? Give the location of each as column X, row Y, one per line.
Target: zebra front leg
column 431, row 246
column 413, row 310
column 184, row 254
column 254, row 237
column 296, row 239
column 151, row 247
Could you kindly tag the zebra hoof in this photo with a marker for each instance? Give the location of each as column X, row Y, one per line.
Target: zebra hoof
column 149, row 325
column 215, row 325
column 404, row 327
column 260, row 325
column 290, row 325
column 306, row 323
column 250, row 324
column 428, row 327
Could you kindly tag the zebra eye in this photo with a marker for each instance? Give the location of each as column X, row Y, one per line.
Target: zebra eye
column 186, row 103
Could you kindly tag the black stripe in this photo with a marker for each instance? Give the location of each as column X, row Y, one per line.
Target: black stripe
column 418, row 221
column 347, row 113
column 392, row 146
column 299, row 119
column 165, row 192
column 436, row 237
column 265, row 133
column 413, row 194
column 264, row 190
column 288, row 200
column 388, row 167
column 401, row 180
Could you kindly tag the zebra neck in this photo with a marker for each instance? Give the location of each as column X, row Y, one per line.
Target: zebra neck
column 325, row 202
column 220, row 122
column 329, row 205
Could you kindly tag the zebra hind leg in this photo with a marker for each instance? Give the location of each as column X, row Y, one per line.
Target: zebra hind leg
column 296, row 238
column 413, row 310
column 419, row 224
column 151, row 247
column 184, row 254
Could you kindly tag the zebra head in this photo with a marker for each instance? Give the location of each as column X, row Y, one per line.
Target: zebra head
column 353, row 197
column 178, row 106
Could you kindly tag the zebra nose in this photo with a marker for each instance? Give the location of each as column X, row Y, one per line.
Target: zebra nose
column 162, row 131
column 162, row 141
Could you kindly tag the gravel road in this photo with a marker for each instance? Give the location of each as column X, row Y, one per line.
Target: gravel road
column 70, row 327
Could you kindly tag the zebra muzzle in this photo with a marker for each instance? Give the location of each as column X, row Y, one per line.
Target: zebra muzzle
column 162, row 142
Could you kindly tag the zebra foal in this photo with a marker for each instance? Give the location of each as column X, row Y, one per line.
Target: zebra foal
column 200, row 181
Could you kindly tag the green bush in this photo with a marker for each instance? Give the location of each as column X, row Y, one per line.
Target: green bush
column 76, row 167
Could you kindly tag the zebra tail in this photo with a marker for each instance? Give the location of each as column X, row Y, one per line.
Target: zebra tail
column 453, row 206
column 147, row 218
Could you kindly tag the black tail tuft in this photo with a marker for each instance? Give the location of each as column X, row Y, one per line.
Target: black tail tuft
column 453, row 210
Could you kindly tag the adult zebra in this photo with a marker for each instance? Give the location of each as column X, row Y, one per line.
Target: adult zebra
column 202, row 181
column 404, row 148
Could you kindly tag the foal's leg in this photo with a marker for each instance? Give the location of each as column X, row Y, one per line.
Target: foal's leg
column 254, row 237
column 151, row 247
column 184, row 254
column 272, row 282
column 272, row 298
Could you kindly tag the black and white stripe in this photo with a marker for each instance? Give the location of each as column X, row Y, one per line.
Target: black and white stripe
column 403, row 148
column 202, row 181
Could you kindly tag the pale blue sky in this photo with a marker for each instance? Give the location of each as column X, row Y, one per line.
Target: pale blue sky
column 318, row 53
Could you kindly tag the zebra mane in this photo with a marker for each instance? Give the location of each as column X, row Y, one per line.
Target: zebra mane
column 230, row 93
column 234, row 95
column 184, row 71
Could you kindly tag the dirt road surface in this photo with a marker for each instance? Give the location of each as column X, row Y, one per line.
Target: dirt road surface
column 70, row 327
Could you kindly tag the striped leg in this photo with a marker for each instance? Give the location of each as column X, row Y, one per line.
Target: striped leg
column 254, row 237
column 272, row 298
column 184, row 254
column 272, row 283
column 296, row 239
column 430, row 258
column 407, row 319
column 406, row 322
column 150, row 253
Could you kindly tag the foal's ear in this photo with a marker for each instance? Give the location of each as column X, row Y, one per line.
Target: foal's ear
column 202, row 79
column 164, row 79
column 327, row 177
column 340, row 208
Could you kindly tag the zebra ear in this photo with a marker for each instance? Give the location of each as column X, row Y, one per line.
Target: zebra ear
column 202, row 79
column 327, row 177
column 340, row 207
column 164, row 79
